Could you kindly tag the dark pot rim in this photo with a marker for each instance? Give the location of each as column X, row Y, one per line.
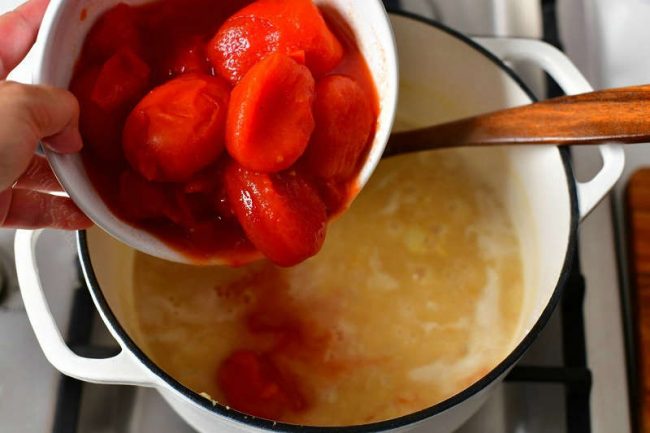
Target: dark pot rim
column 395, row 423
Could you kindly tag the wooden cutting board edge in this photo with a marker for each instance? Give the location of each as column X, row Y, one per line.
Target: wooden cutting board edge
column 637, row 206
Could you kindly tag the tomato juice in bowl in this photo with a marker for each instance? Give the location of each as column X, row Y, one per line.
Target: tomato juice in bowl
column 161, row 53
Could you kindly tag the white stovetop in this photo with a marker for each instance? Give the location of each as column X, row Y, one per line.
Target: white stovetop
column 27, row 380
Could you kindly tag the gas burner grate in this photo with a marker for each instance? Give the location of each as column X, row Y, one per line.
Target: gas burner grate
column 574, row 374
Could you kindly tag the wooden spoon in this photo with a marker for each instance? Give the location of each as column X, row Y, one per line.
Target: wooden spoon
column 620, row 115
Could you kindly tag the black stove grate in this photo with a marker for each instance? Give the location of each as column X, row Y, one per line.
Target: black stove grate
column 578, row 387
column 574, row 375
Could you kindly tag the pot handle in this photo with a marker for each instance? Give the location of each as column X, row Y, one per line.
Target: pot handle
column 121, row 369
column 569, row 78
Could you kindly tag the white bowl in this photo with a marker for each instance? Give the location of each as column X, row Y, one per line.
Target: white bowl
column 59, row 44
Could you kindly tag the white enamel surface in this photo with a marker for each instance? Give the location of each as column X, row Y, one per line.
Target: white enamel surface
column 59, row 44
column 565, row 73
column 447, row 81
column 453, row 81
column 122, row 368
column 203, row 420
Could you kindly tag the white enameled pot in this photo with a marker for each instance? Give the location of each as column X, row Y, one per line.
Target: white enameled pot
column 444, row 75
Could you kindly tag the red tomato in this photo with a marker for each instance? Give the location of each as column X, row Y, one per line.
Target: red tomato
column 187, row 56
column 123, row 80
column 101, row 130
column 178, row 128
column 268, row 26
column 270, row 117
column 282, row 214
column 116, row 29
column 253, row 383
column 344, row 122
column 240, row 44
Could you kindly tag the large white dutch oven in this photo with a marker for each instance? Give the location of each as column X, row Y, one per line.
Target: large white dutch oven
column 444, row 75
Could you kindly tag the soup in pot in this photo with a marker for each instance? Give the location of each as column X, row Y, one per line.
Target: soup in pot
column 416, row 294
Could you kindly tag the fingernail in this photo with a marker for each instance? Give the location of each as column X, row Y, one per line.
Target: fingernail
column 66, row 141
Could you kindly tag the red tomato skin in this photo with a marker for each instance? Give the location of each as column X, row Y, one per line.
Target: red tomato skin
column 123, row 80
column 282, row 214
column 270, row 118
column 269, row 26
column 178, row 128
column 344, row 123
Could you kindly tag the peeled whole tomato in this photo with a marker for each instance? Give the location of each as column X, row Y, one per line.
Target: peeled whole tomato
column 122, row 80
column 270, row 118
column 290, row 27
column 240, row 44
column 281, row 214
column 344, row 121
column 178, row 128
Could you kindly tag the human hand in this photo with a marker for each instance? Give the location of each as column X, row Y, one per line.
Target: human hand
column 30, row 114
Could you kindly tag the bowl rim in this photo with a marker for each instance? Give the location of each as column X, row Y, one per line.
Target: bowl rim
column 395, row 423
column 93, row 205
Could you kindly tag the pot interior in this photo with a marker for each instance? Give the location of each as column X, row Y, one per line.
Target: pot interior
column 453, row 80
column 449, row 79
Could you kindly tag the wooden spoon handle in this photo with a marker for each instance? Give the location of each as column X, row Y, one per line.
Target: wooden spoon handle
column 619, row 115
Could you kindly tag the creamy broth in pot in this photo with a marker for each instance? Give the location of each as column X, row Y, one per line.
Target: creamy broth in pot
column 416, row 294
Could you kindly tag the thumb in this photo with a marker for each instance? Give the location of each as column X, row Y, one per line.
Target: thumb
column 30, row 114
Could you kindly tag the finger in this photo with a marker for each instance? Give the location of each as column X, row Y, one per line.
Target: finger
column 32, row 210
column 29, row 114
column 5, row 202
column 19, row 29
column 39, row 177
column 67, row 141
column 50, row 112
